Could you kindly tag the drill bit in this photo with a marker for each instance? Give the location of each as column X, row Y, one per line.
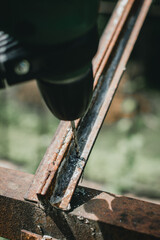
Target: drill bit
column 75, row 138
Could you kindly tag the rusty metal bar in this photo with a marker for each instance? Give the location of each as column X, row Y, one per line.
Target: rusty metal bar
column 63, row 136
column 110, row 35
column 95, row 215
column 62, row 186
column 71, row 169
column 26, row 235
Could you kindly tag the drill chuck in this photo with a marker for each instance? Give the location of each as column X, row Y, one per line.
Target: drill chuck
column 63, row 72
column 68, row 99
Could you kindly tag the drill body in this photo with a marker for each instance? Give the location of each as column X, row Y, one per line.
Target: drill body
column 53, row 42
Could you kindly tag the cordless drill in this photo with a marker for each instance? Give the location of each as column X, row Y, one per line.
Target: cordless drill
column 53, row 42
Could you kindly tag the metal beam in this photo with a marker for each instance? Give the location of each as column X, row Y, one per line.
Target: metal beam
column 95, row 214
column 63, row 137
column 60, row 170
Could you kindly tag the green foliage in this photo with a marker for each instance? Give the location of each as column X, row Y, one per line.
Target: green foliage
column 25, row 132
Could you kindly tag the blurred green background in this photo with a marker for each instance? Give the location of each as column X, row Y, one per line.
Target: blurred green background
column 126, row 156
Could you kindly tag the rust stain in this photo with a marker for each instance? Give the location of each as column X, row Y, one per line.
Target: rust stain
column 60, row 170
column 94, row 212
column 59, row 146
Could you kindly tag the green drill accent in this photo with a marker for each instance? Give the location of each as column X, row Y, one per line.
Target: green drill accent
column 48, row 21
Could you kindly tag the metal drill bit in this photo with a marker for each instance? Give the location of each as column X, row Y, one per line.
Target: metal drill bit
column 75, row 137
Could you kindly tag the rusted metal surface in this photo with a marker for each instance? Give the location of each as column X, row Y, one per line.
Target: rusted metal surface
column 72, row 166
column 51, row 160
column 95, row 215
column 26, row 235
column 119, row 211
column 110, row 35
column 12, row 181
column 63, row 137
column 61, row 169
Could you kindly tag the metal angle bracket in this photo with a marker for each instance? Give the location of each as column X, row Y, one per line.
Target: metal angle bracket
column 61, row 168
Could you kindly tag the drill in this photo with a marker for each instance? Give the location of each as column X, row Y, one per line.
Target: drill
column 53, row 42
